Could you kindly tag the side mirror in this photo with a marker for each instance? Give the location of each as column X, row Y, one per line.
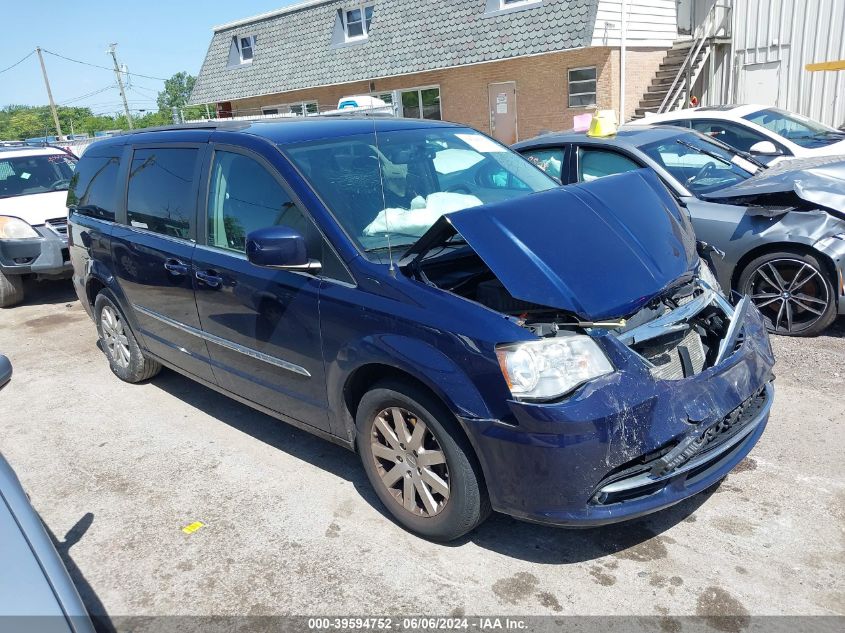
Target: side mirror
column 765, row 148
column 5, row 371
column 279, row 247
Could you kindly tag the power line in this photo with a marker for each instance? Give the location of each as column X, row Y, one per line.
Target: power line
column 76, row 61
column 30, row 54
column 85, row 96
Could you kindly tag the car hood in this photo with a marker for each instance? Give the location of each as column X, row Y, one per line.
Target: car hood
column 599, row 250
column 36, row 208
column 819, row 181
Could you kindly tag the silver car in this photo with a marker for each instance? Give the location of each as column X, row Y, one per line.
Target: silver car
column 776, row 234
column 36, row 592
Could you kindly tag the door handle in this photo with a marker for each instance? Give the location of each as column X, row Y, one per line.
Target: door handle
column 209, row 279
column 176, row 267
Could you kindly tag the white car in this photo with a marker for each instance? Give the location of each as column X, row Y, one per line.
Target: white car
column 33, row 217
column 771, row 134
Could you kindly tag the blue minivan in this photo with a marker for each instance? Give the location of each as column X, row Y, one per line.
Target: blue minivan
column 417, row 292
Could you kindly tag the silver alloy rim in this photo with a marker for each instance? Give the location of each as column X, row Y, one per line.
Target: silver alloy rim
column 790, row 293
column 410, row 462
column 114, row 336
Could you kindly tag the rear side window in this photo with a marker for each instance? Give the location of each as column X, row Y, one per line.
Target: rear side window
column 161, row 196
column 93, row 188
column 549, row 160
column 597, row 163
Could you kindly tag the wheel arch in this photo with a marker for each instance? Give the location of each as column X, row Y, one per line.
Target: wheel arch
column 778, row 247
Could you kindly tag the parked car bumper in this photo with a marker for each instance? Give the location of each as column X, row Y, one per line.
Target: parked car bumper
column 627, row 445
column 47, row 255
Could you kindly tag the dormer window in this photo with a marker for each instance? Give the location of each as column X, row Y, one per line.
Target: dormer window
column 356, row 21
column 246, row 47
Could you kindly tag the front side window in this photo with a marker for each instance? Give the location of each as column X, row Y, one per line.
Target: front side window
column 421, row 103
column 549, row 160
column 733, row 134
column 594, row 163
column 244, row 197
column 796, row 128
column 25, row 175
column 582, row 87
column 161, row 196
column 357, row 21
column 392, row 187
column 700, row 165
column 93, row 189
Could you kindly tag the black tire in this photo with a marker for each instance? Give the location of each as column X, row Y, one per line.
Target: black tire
column 11, row 290
column 803, row 310
column 130, row 365
column 467, row 504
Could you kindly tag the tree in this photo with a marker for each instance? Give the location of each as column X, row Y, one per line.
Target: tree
column 177, row 91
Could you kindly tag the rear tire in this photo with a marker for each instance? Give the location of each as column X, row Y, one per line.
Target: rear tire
column 11, row 290
column 437, row 490
column 793, row 292
column 125, row 358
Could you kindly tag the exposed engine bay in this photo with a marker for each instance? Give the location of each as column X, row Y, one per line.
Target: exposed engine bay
column 678, row 334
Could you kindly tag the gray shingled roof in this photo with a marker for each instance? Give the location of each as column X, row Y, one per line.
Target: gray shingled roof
column 294, row 48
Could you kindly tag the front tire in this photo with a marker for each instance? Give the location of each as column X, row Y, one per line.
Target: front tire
column 419, row 463
column 125, row 358
column 793, row 292
column 11, row 290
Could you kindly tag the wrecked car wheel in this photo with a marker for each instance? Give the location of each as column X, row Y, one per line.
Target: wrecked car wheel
column 792, row 292
column 125, row 358
column 422, row 468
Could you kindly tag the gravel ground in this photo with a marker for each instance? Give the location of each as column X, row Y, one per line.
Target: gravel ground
column 292, row 527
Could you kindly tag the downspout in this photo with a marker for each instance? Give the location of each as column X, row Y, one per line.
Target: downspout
column 622, row 60
column 732, row 57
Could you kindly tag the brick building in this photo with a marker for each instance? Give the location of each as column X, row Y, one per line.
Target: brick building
column 512, row 68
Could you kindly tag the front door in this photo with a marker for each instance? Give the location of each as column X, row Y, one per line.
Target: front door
column 502, row 101
column 261, row 325
column 152, row 253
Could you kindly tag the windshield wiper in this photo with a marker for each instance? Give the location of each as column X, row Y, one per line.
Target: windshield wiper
column 701, row 150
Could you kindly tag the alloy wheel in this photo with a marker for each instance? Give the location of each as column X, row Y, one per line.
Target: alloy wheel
column 410, row 462
column 114, row 336
column 791, row 294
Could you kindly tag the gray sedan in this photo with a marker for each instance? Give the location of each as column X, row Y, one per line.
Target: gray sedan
column 36, row 592
column 780, row 230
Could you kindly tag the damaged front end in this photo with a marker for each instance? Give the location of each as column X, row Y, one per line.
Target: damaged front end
column 685, row 391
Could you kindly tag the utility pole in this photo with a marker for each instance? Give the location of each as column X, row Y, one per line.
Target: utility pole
column 50, row 94
column 120, row 84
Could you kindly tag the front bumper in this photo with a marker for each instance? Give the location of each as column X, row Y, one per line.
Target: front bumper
column 46, row 256
column 627, row 445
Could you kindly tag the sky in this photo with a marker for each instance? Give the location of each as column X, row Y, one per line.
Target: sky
column 154, row 38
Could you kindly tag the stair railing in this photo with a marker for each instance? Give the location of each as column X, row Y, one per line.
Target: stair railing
column 703, row 32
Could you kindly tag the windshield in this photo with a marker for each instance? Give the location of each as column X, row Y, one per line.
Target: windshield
column 398, row 183
column 701, row 165
column 24, row 175
column 796, row 128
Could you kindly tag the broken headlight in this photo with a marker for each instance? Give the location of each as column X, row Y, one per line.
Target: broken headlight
column 549, row 368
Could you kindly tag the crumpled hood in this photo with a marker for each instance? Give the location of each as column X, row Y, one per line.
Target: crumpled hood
column 819, row 181
column 599, row 250
column 36, row 208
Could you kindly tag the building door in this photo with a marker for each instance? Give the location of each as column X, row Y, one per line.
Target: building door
column 502, row 101
column 760, row 83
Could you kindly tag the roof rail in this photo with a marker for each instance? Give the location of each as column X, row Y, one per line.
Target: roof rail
column 209, row 125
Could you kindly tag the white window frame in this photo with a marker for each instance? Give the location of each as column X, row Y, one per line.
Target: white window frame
column 419, row 90
column 287, row 109
column 571, row 94
column 509, row 4
column 239, row 44
column 361, row 6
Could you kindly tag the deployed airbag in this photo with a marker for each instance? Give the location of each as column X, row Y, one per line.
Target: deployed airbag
column 423, row 213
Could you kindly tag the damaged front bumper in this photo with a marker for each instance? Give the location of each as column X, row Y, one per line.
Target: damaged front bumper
column 629, row 443
column 46, row 255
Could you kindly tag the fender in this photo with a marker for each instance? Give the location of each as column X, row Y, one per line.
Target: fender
column 96, row 270
column 419, row 359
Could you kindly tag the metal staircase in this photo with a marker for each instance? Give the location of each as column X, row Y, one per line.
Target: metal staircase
column 679, row 70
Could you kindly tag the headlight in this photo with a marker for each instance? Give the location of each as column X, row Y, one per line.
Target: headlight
column 549, row 368
column 15, row 228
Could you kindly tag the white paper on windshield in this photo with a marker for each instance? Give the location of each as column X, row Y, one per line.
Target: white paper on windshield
column 481, row 143
column 423, row 213
column 26, row 175
column 742, row 163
